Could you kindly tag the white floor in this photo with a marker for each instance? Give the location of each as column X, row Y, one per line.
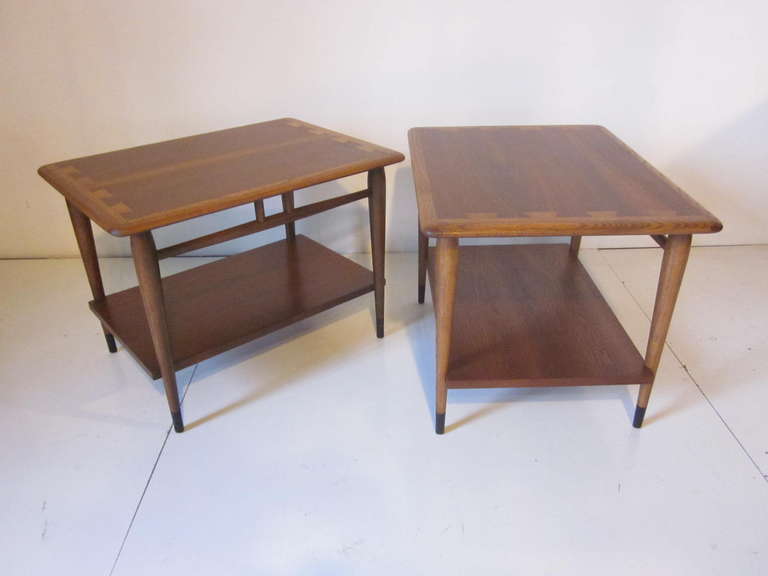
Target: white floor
column 311, row 451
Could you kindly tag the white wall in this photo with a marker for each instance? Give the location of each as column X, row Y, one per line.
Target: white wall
column 684, row 82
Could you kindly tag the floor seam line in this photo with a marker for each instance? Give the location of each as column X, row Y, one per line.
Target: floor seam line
column 695, row 383
column 149, row 479
column 717, row 412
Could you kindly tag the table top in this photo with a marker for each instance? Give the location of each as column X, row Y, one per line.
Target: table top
column 137, row 189
column 543, row 181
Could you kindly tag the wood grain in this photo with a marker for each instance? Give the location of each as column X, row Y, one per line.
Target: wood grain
column 676, row 250
column 575, row 245
column 87, row 247
column 151, row 309
column 284, row 218
column 258, row 207
column 137, row 189
column 444, row 281
column 287, row 199
column 423, row 255
column 543, row 181
column 531, row 316
column 377, row 210
column 221, row 305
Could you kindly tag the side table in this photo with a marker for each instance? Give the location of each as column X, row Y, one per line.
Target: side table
column 530, row 315
column 173, row 322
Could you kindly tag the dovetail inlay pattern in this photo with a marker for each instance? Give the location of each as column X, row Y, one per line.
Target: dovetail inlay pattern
column 145, row 187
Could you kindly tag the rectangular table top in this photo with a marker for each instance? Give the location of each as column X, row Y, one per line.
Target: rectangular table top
column 137, row 189
column 543, row 181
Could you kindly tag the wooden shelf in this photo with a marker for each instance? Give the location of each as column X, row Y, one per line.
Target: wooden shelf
column 226, row 303
column 530, row 315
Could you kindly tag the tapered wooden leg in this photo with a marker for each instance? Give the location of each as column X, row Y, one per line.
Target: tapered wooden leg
column 84, row 235
column 290, row 227
column 377, row 211
column 446, row 266
column 151, row 286
column 575, row 245
column 676, row 250
column 423, row 255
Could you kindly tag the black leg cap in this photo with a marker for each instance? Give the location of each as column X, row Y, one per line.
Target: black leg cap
column 111, row 343
column 178, row 423
column 440, row 423
column 422, row 290
column 639, row 416
column 380, row 328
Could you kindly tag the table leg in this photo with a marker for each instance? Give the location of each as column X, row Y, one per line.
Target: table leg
column 84, row 235
column 575, row 245
column 151, row 286
column 258, row 207
column 290, row 227
column 676, row 250
column 423, row 255
column 446, row 266
column 377, row 212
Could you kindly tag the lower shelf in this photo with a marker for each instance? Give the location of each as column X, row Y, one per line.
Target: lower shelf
column 226, row 303
column 530, row 315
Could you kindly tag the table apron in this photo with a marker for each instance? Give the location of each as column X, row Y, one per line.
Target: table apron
column 260, row 224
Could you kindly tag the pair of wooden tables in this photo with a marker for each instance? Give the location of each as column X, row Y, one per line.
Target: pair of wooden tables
column 506, row 315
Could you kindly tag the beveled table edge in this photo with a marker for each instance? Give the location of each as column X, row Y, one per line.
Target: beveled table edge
column 104, row 219
column 433, row 226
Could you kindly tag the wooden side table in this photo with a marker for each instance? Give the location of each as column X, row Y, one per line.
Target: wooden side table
column 530, row 315
column 173, row 322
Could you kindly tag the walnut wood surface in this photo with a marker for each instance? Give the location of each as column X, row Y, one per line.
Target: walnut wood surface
column 258, row 207
column 151, row 294
column 287, row 199
column 531, row 316
column 423, row 255
column 543, row 181
column 87, row 247
column 286, row 218
column 575, row 245
column 137, row 189
column 221, row 305
column 377, row 211
column 444, row 281
column 676, row 250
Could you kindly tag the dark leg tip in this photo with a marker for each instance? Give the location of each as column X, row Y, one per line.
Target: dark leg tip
column 111, row 343
column 439, row 423
column 421, row 293
column 639, row 416
column 380, row 328
column 178, row 423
